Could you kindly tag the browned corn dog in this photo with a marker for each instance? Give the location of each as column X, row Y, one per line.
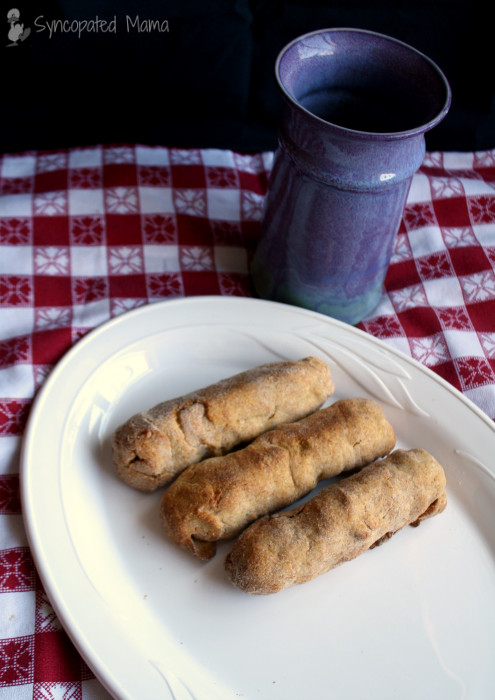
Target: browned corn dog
column 338, row 524
column 152, row 447
column 218, row 497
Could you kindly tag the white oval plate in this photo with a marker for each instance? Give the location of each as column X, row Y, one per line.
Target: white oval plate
column 412, row 619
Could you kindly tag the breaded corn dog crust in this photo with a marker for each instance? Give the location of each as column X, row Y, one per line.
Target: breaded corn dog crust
column 220, row 496
column 152, row 447
column 341, row 522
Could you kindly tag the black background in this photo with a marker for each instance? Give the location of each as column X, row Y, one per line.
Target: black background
column 209, row 81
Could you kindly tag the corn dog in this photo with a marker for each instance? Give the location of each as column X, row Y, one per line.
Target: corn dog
column 218, row 497
column 152, row 447
column 338, row 524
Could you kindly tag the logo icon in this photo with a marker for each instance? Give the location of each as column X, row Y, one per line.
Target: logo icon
column 16, row 32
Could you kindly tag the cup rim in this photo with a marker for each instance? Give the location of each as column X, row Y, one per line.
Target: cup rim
column 385, row 136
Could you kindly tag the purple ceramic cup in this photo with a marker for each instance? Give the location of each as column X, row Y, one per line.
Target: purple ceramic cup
column 356, row 107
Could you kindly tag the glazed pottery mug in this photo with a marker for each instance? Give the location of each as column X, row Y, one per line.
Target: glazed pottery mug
column 355, row 110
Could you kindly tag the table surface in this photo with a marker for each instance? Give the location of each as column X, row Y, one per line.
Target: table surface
column 87, row 234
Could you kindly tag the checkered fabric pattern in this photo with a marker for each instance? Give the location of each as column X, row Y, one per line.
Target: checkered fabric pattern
column 439, row 300
column 89, row 233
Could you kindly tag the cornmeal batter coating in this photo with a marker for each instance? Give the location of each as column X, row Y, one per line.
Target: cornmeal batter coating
column 152, row 447
column 338, row 524
column 220, row 496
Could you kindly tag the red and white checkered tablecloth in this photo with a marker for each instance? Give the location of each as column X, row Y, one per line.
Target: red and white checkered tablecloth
column 89, row 233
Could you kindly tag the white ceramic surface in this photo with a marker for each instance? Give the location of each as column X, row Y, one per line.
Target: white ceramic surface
column 412, row 619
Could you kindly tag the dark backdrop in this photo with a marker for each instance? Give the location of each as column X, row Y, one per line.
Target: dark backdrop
column 208, row 81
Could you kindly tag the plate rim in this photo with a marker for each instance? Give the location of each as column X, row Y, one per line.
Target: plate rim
column 193, row 299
